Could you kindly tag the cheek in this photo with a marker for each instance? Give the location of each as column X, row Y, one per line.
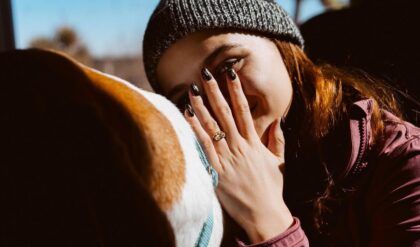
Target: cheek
column 254, row 80
column 271, row 88
column 283, row 93
column 276, row 86
column 270, row 85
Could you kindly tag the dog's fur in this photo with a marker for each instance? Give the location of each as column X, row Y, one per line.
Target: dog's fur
column 88, row 159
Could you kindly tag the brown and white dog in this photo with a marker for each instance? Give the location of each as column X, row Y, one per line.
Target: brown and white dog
column 89, row 158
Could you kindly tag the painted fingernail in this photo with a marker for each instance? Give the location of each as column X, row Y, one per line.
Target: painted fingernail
column 190, row 110
column 205, row 73
column 231, row 73
column 194, row 89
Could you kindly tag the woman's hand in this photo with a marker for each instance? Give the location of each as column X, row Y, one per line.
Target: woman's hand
column 250, row 177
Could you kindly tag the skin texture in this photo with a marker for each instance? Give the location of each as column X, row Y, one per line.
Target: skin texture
column 248, row 107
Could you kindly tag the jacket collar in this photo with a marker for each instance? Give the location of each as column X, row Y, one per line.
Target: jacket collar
column 359, row 133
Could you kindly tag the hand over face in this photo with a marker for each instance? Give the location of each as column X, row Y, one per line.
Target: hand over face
column 250, row 178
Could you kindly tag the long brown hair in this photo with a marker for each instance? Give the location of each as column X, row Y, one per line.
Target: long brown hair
column 326, row 93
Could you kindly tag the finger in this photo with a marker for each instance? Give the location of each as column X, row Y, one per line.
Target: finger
column 276, row 139
column 240, row 106
column 203, row 138
column 219, row 105
column 207, row 122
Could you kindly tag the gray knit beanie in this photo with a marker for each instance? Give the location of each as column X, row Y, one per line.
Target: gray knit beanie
column 174, row 19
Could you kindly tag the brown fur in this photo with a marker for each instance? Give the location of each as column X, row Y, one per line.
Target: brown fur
column 85, row 161
column 164, row 173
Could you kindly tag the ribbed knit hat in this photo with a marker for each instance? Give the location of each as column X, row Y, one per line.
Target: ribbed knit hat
column 174, row 19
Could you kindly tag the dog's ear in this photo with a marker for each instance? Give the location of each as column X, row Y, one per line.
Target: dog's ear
column 152, row 141
column 65, row 172
column 232, row 232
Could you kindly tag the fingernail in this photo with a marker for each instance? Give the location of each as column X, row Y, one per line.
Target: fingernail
column 205, row 73
column 231, row 73
column 189, row 110
column 194, row 89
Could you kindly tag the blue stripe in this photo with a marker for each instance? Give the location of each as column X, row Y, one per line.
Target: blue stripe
column 205, row 162
column 205, row 234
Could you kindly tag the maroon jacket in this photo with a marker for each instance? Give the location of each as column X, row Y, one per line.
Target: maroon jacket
column 385, row 209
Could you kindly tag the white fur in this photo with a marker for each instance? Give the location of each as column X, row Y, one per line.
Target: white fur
column 188, row 215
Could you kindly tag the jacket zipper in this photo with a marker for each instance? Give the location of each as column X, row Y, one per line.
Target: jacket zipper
column 362, row 150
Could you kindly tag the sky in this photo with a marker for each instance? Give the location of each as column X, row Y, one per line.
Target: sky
column 106, row 27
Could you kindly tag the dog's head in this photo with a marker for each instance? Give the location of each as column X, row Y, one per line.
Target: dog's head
column 89, row 158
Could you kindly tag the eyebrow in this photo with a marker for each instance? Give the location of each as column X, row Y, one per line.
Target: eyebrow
column 216, row 52
column 209, row 60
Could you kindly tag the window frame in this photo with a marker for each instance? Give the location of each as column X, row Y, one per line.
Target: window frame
column 7, row 37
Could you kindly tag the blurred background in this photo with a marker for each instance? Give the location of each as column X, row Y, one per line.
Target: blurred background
column 105, row 34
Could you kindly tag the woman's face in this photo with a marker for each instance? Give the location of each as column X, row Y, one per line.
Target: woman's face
column 256, row 60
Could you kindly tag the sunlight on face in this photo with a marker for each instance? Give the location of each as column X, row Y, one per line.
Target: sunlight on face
column 256, row 60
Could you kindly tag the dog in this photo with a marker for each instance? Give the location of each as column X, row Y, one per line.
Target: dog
column 88, row 159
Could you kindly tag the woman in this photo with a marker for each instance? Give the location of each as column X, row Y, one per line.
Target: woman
column 346, row 171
